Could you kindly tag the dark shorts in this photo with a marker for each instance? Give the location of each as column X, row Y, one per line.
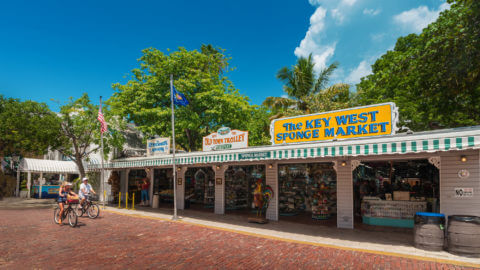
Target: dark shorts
column 62, row 200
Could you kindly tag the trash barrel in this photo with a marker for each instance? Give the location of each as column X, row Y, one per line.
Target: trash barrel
column 463, row 235
column 156, row 201
column 429, row 231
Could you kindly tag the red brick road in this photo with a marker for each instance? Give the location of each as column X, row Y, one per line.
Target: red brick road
column 29, row 239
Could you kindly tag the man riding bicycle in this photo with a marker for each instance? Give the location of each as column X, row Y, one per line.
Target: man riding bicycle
column 85, row 189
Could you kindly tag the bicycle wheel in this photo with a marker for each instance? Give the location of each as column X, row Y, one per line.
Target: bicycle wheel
column 56, row 211
column 79, row 211
column 93, row 211
column 72, row 218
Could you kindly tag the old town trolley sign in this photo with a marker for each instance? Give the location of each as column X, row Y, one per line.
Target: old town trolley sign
column 367, row 121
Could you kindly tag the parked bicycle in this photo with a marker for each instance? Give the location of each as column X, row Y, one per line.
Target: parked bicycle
column 68, row 212
column 90, row 207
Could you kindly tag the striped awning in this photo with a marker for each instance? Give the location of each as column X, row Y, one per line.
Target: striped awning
column 47, row 166
column 440, row 140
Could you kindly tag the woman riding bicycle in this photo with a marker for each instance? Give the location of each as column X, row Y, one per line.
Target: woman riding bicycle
column 63, row 192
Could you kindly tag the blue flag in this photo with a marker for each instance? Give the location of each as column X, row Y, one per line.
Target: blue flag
column 179, row 98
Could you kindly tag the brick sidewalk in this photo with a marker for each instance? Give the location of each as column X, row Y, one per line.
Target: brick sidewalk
column 30, row 239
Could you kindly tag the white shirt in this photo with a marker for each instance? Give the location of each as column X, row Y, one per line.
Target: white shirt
column 87, row 188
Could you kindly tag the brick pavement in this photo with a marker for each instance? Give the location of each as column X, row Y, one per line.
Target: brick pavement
column 30, row 240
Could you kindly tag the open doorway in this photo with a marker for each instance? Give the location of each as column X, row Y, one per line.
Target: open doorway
column 163, row 186
column 389, row 193
column 240, row 182
column 308, row 193
column 200, row 188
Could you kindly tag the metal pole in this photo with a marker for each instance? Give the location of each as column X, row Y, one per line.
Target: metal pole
column 102, row 172
column 173, row 162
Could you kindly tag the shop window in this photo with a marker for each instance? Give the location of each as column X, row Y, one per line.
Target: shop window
column 163, row 184
column 395, row 190
column 240, row 182
column 134, row 183
column 308, row 188
column 200, row 186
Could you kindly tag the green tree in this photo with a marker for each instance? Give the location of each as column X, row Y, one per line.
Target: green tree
column 305, row 89
column 26, row 128
column 433, row 77
column 79, row 134
column 200, row 75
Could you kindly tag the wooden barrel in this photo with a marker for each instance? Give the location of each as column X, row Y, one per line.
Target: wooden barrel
column 464, row 235
column 429, row 231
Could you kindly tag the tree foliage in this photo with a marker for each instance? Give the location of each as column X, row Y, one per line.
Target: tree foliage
column 433, row 77
column 200, row 75
column 307, row 92
column 79, row 134
column 26, row 128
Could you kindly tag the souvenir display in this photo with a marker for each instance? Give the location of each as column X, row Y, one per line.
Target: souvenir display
column 292, row 189
column 322, row 193
column 307, row 187
column 236, row 189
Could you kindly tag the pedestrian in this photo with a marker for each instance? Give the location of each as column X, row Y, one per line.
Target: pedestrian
column 145, row 187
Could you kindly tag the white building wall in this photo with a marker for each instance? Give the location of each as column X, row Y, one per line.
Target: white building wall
column 220, row 188
column 271, row 175
column 450, row 165
column 344, row 195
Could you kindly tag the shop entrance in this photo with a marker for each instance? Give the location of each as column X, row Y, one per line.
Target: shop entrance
column 389, row 193
column 308, row 193
column 200, row 188
column 240, row 182
column 163, row 186
column 135, row 179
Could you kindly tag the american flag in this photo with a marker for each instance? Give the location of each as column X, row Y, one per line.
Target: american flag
column 103, row 124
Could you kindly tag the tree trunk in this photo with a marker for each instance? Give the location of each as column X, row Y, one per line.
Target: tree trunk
column 81, row 169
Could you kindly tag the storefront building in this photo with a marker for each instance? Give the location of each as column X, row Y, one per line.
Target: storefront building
column 377, row 180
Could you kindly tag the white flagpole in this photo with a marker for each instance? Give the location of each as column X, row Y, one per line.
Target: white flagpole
column 173, row 162
column 102, row 172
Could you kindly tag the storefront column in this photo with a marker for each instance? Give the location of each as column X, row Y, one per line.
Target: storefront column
column 181, row 187
column 345, row 206
column 220, row 188
column 17, row 188
column 271, row 175
column 150, row 175
column 106, row 186
column 29, row 183
column 40, row 184
column 124, row 183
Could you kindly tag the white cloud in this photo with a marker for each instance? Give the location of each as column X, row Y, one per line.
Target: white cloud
column 418, row 18
column 312, row 41
column 377, row 37
column 372, row 12
column 362, row 70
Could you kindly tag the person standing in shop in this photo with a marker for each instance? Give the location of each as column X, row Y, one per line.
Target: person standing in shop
column 144, row 189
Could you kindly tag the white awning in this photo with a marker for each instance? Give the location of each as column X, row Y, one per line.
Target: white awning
column 48, row 166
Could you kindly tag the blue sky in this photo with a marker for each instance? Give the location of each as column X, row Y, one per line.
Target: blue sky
column 60, row 49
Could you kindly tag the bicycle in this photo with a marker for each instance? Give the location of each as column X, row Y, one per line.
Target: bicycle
column 68, row 212
column 89, row 207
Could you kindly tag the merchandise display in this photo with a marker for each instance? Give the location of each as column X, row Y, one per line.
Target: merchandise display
column 204, row 188
column 392, row 209
column 307, row 187
column 390, row 193
column 240, row 183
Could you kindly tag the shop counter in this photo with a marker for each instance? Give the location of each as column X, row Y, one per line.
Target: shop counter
column 391, row 213
column 48, row 191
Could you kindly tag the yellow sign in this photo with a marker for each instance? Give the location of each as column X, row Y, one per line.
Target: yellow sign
column 367, row 121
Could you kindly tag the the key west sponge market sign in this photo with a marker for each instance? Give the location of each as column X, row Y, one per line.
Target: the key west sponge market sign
column 367, row 121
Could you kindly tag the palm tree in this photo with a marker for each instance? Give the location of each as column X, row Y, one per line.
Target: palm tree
column 302, row 87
